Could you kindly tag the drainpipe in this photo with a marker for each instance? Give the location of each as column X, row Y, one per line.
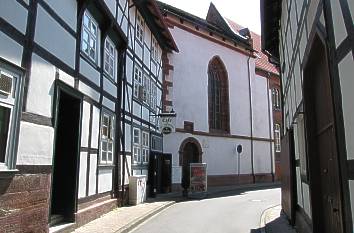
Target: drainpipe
column 251, row 116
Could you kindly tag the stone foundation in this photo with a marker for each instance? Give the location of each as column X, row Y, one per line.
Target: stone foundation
column 24, row 203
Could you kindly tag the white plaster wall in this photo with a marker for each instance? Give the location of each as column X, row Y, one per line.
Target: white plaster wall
column 85, row 124
column 220, row 154
column 262, row 157
column 82, row 174
column 95, row 127
column 128, row 138
column 260, row 107
column 93, row 174
column 35, row 144
column 89, row 91
column 111, row 4
column 338, row 21
column 346, row 71
column 89, row 72
column 10, row 50
column 306, row 196
column 66, row 78
column 109, row 87
column 109, row 104
column 188, row 71
column 58, row 42
column 104, row 180
column 66, row 9
column 41, row 87
column 15, row 14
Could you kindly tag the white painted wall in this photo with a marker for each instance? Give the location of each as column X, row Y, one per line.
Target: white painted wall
column 41, row 87
column 35, row 144
column 10, row 50
column 58, row 42
column 15, row 14
column 190, row 101
column 66, row 9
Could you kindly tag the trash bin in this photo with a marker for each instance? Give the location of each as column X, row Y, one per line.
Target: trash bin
column 137, row 189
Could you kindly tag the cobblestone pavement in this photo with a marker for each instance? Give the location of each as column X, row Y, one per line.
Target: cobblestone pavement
column 122, row 219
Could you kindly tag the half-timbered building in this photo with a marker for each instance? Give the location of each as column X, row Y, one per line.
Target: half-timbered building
column 312, row 41
column 80, row 87
column 220, row 85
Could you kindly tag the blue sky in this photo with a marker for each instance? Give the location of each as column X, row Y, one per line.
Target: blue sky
column 243, row 12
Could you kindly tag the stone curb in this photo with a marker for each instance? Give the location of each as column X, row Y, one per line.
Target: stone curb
column 265, row 212
column 133, row 224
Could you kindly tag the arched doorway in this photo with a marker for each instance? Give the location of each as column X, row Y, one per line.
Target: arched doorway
column 190, row 152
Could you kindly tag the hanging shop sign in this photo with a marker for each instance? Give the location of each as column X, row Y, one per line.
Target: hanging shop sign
column 167, row 122
column 198, row 178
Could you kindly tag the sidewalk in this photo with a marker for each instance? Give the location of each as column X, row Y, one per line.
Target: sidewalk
column 274, row 221
column 124, row 219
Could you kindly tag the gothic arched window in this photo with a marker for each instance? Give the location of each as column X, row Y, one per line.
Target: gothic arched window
column 218, row 97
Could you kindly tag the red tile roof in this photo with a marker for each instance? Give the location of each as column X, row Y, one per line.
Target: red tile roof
column 262, row 61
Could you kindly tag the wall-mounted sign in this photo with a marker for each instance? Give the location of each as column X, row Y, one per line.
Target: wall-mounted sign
column 167, row 122
column 198, row 178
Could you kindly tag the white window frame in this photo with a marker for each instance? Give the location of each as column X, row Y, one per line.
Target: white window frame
column 153, row 96
column 139, row 30
column 138, row 81
column 92, row 35
column 145, row 146
column 136, row 146
column 110, row 58
column 107, row 139
column 13, row 103
column 146, row 89
column 154, row 49
column 276, row 98
column 277, row 134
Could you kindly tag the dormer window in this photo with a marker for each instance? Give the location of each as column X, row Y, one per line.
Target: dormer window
column 89, row 37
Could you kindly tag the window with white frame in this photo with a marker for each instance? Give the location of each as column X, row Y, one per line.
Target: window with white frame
column 89, row 37
column 5, row 113
column 145, row 147
column 136, row 146
column 276, row 98
column 109, row 58
column 154, row 49
column 138, row 81
column 146, row 89
column 277, row 137
column 107, row 138
column 139, row 28
column 10, row 110
column 153, row 96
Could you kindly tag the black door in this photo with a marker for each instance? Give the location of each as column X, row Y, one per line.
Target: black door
column 65, row 166
column 322, row 145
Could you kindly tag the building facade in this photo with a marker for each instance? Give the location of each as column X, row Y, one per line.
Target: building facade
column 312, row 41
column 222, row 95
column 67, row 104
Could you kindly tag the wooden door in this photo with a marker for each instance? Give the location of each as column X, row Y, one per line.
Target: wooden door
column 322, row 147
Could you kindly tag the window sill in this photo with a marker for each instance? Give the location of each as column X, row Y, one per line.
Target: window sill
column 8, row 173
column 106, row 166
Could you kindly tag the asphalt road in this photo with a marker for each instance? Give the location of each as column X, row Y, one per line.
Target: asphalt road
column 232, row 212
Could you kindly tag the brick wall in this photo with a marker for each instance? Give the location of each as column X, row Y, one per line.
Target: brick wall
column 24, row 203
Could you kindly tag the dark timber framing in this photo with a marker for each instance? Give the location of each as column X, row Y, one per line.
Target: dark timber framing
column 336, row 54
